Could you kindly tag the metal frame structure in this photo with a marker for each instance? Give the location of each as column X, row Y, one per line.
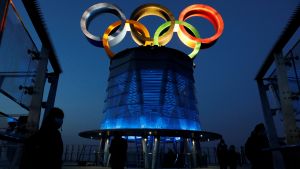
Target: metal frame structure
column 276, row 58
column 285, row 94
column 40, row 75
column 46, row 54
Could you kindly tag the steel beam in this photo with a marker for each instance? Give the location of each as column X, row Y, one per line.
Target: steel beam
column 38, row 91
column 289, row 115
column 272, row 134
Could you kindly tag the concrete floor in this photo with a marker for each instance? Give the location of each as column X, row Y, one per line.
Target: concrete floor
column 93, row 167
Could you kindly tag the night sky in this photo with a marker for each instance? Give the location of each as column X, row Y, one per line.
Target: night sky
column 227, row 94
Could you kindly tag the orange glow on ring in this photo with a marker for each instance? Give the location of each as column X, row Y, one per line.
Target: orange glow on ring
column 140, row 28
column 156, row 10
column 206, row 12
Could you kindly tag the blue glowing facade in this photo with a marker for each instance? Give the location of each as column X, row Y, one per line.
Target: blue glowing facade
column 153, row 88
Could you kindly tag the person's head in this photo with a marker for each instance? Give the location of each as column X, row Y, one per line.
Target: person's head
column 222, row 141
column 260, row 129
column 117, row 135
column 12, row 123
column 54, row 118
column 232, row 148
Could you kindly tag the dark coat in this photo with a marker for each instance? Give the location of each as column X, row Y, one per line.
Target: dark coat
column 254, row 149
column 118, row 150
column 44, row 149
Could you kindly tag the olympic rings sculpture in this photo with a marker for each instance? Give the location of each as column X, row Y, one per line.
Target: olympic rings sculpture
column 116, row 32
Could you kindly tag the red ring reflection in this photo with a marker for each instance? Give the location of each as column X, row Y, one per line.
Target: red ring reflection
column 206, row 12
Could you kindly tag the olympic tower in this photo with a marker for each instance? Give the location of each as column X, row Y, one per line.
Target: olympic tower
column 151, row 87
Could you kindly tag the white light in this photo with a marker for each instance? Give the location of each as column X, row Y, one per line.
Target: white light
column 177, row 138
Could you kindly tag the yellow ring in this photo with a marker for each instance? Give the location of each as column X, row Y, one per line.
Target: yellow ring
column 157, row 10
column 141, row 29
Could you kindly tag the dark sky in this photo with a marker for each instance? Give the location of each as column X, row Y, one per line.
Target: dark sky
column 227, row 94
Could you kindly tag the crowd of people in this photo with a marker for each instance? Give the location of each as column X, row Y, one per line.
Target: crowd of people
column 227, row 157
column 255, row 150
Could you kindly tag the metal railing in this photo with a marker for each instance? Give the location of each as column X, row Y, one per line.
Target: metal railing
column 93, row 155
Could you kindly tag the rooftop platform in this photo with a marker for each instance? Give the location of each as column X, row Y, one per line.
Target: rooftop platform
column 97, row 167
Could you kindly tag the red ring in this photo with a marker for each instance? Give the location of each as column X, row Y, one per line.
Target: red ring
column 206, row 12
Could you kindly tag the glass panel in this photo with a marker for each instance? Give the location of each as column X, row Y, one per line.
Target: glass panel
column 17, row 68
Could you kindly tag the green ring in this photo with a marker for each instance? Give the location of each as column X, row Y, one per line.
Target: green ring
column 187, row 25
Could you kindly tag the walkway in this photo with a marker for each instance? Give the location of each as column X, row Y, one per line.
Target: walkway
column 92, row 167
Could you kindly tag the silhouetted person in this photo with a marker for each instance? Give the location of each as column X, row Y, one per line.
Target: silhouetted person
column 170, row 158
column 255, row 146
column 43, row 150
column 222, row 154
column 118, row 151
column 233, row 157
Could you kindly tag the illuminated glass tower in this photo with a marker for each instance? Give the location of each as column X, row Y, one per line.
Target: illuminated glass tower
column 151, row 88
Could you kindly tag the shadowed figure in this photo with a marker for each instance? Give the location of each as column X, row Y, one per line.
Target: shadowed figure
column 118, row 151
column 233, row 157
column 254, row 149
column 222, row 154
column 43, row 150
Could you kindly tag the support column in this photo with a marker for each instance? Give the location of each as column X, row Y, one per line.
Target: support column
column 155, row 152
column 199, row 153
column 106, row 152
column 145, row 153
column 194, row 154
column 38, row 91
column 53, row 80
column 187, row 153
column 272, row 135
column 289, row 115
column 98, row 159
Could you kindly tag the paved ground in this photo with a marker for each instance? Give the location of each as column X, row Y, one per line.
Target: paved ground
column 92, row 167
